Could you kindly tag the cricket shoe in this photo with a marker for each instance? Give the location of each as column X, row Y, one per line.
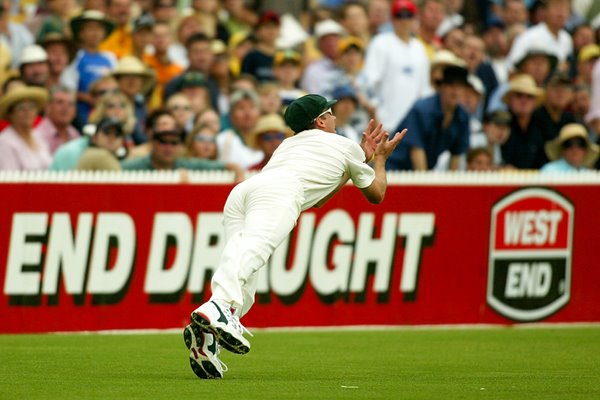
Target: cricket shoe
column 218, row 319
column 204, row 353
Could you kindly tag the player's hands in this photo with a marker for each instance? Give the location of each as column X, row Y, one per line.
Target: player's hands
column 386, row 145
column 370, row 139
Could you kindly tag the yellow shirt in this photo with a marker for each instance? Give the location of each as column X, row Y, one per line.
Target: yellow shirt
column 120, row 42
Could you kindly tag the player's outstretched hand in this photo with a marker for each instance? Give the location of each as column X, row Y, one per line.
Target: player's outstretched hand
column 386, row 145
column 370, row 138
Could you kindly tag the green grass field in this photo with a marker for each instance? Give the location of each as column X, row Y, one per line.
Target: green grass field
column 498, row 363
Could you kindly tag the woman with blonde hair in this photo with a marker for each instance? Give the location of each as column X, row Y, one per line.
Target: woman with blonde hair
column 115, row 104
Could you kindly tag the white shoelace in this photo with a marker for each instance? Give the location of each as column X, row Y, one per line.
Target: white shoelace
column 223, row 365
column 239, row 327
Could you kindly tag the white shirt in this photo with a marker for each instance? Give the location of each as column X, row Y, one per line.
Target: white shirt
column 316, row 75
column 20, row 37
column 540, row 36
column 232, row 150
column 318, row 160
column 395, row 75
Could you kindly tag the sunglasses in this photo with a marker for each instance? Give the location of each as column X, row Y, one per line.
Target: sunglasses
column 404, row 14
column 180, row 108
column 270, row 136
column 161, row 140
column 116, row 105
column 204, row 138
column 328, row 111
column 579, row 143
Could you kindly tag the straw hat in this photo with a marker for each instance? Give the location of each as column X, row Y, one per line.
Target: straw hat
column 5, row 61
column 130, row 65
column 35, row 94
column 267, row 123
column 91, row 15
column 523, row 83
column 447, row 58
column 554, row 147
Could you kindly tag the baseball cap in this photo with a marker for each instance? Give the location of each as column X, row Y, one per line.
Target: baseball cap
column 403, row 8
column 110, row 125
column 144, row 21
column 192, row 79
column 589, row 52
column 351, row 42
column 283, row 56
column 269, row 16
column 303, row 111
column 498, row 117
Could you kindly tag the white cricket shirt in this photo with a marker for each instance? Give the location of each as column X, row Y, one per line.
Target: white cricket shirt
column 318, row 160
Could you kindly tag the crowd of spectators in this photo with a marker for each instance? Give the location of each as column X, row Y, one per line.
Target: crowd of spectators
column 202, row 84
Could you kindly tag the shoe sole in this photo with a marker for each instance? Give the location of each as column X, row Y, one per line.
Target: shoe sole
column 225, row 339
column 203, row 369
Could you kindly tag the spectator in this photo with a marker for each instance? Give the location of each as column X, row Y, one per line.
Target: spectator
column 160, row 61
column 119, row 42
column 113, row 104
column 186, row 28
column 378, row 13
column 201, row 57
column 396, row 63
column 474, row 54
column 164, row 10
column 55, row 128
column 550, row 32
column 354, row 19
column 159, row 119
column 583, row 35
column 181, row 108
column 473, row 101
column 287, row 69
column 479, row 159
column 580, row 105
column 16, row 36
column 209, row 118
column 202, row 143
column 136, row 81
column 496, row 47
column 538, row 63
column 221, row 73
column 194, row 86
column 442, row 59
column 315, row 76
column 496, row 127
column 454, row 40
column 259, row 61
column 34, row 67
column 585, row 63
column 571, row 151
column 432, row 15
column 106, row 147
column 552, row 115
column 244, row 114
column 90, row 64
column 524, row 148
column 437, row 123
column 270, row 102
column 239, row 45
column 344, row 110
column 270, row 131
column 142, row 37
column 57, row 20
column 20, row 146
column 515, row 13
column 60, row 50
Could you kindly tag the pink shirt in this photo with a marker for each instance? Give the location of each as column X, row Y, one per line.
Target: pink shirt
column 16, row 155
column 48, row 133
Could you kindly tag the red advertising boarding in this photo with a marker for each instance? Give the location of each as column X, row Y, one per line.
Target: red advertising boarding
column 113, row 254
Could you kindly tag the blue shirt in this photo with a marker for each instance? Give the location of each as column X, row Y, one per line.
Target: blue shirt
column 424, row 124
column 560, row 165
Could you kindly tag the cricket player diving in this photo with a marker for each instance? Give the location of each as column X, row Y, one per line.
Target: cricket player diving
column 305, row 171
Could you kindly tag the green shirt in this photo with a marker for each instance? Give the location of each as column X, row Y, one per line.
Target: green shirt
column 145, row 163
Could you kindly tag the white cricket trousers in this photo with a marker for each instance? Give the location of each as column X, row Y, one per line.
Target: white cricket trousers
column 259, row 214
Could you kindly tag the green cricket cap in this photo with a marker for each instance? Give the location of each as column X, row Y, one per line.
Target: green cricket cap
column 303, row 111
